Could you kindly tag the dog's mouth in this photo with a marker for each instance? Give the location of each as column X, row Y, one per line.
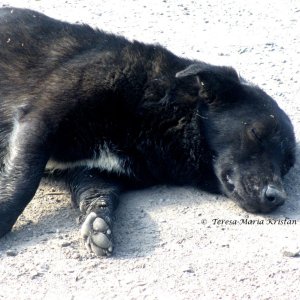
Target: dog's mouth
column 254, row 198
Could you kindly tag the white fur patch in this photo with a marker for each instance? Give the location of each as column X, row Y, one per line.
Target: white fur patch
column 105, row 161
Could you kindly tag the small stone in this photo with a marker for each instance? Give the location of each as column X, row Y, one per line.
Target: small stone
column 189, row 270
column 76, row 256
column 244, row 50
column 291, row 253
column 65, row 244
column 11, row 253
column 34, row 275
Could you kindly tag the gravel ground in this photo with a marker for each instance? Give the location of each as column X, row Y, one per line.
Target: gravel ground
column 176, row 243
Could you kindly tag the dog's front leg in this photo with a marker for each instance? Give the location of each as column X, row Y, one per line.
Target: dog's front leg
column 23, row 165
column 97, row 197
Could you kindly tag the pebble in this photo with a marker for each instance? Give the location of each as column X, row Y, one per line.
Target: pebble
column 11, row 253
column 65, row 244
column 34, row 275
column 76, row 256
column 244, row 50
column 291, row 253
column 189, row 270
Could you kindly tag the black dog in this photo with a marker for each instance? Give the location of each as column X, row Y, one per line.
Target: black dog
column 101, row 112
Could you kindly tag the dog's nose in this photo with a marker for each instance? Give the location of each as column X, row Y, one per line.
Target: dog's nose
column 273, row 197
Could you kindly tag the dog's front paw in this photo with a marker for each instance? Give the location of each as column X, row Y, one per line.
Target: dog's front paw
column 97, row 235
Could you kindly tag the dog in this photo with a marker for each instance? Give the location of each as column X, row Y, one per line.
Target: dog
column 102, row 113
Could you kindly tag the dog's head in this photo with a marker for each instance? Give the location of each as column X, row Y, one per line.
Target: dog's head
column 251, row 138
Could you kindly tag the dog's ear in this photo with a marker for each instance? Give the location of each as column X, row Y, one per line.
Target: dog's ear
column 216, row 83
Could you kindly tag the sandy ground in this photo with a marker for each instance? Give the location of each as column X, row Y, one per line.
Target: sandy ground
column 173, row 243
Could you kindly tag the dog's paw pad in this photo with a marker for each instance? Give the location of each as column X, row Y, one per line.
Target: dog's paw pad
column 97, row 235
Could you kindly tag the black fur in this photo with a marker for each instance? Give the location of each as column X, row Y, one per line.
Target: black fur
column 70, row 94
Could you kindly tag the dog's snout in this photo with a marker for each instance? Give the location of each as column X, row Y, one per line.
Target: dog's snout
column 273, row 196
